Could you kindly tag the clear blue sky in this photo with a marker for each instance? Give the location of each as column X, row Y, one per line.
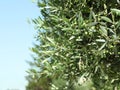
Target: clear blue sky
column 16, row 37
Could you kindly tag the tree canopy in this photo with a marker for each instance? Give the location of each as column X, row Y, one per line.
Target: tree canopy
column 79, row 46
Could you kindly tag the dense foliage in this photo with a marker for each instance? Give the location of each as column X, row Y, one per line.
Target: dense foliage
column 79, row 46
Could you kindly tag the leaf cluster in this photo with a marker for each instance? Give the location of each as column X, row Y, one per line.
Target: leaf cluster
column 79, row 45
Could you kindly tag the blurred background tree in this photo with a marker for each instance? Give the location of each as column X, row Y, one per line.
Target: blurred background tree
column 78, row 46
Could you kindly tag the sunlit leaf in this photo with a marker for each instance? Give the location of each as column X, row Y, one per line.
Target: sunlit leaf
column 106, row 19
column 116, row 11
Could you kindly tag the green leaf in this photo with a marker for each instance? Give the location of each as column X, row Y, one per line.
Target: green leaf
column 72, row 37
column 33, row 71
column 46, row 52
column 116, row 11
column 79, row 39
column 106, row 19
column 118, row 24
column 67, row 29
column 103, row 30
column 50, row 40
column 100, row 40
column 102, row 46
column 41, row 4
column 92, row 24
column 80, row 20
column 92, row 15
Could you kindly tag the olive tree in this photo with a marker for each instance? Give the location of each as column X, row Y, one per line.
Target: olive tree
column 78, row 46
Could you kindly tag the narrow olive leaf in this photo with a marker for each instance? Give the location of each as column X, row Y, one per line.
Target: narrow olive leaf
column 79, row 39
column 46, row 52
column 102, row 23
column 41, row 4
column 102, row 46
column 96, row 68
column 103, row 30
column 66, row 20
column 100, row 40
column 33, row 71
column 54, row 17
column 118, row 24
column 40, row 21
column 116, row 11
column 118, row 1
column 44, row 46
column 35, row 21
column 92, row 24
column 72, row 37
column 44, row 61
column 50, row 40
column 80, row 19
column 67, row 29
column 106, row 19
column 111, row 31
column 92, row 15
